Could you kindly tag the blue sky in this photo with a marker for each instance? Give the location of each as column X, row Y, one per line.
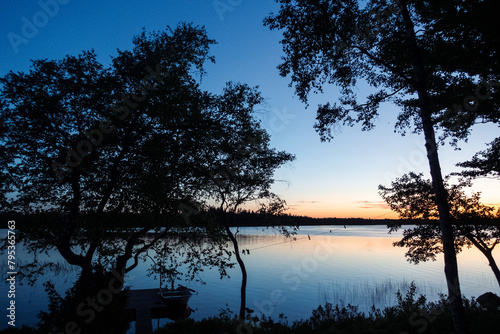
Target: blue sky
column 336, row 179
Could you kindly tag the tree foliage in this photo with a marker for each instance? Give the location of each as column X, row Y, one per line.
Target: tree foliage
column 342, row 42
column 475, row 224
column 418, row 55
column 82, row 310
column 84, row 142
column 150, row 118
column 243, row 169
column 103, row 155
column 483, row 164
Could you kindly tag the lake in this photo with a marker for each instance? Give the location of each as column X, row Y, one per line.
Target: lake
column 355, row 265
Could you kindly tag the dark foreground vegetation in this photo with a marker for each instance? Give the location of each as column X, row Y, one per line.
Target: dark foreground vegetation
column 412, row 314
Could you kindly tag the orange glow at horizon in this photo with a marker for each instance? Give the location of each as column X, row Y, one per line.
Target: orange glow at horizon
column 341, row 212
column 349, row 212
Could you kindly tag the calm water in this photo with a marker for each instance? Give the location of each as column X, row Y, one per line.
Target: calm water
column 357, row 265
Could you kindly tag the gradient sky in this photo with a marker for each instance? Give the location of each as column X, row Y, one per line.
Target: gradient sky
column 336, row 179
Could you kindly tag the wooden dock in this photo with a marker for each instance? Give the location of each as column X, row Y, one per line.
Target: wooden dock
column 148, row 305
column 143, row 301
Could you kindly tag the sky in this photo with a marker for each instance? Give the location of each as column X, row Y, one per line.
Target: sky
column 333, row 179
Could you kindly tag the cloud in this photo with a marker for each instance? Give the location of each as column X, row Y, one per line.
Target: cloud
column 307, row 202
column 372, row 205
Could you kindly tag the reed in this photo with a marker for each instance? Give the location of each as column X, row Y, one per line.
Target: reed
column 366, row 294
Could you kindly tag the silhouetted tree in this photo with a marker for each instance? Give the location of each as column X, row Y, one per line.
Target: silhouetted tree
column 84, row 146
column 5, row 159
column 475, row 224
column 422, row 56
column 484, row 164
column 242, row 171
column 424, row 59
column 92, row 153
column 84, row 140
column 87, row 307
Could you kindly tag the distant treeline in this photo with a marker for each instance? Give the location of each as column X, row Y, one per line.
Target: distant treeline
column 241, row 219
column 246, row 218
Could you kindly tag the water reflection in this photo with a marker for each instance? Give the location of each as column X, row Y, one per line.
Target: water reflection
column 356, row 265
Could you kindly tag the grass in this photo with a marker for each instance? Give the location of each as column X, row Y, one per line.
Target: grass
column 366, row 294
column 410, row 315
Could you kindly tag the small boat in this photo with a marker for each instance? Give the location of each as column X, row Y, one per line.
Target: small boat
column 179, row 296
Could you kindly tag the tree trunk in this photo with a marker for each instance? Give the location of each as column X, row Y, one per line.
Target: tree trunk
column 121, row 260
column 68, row 222
column 488, row 253
column 243, row 273
column 450, row 259
column 493, row 265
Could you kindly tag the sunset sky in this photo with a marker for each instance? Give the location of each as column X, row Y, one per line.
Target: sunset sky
column 335, row 179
